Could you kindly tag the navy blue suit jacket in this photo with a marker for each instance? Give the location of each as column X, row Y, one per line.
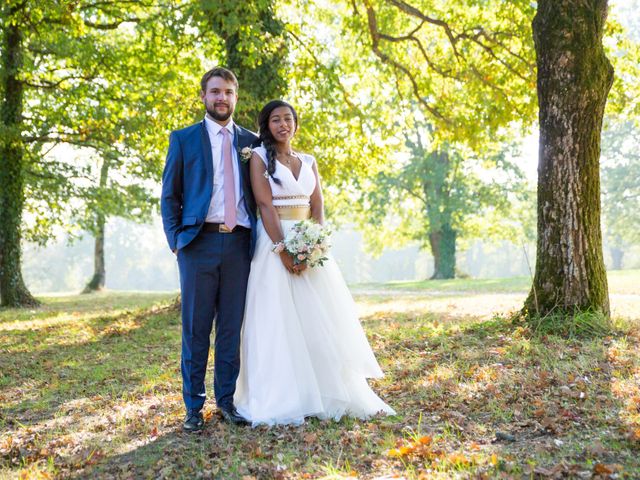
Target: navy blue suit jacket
column 187, row 183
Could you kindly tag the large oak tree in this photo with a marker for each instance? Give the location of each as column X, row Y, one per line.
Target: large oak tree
column 574, row 78
column 468, row 71
column 88, row 74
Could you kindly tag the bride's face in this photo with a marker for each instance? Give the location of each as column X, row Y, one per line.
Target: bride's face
column 282, row 124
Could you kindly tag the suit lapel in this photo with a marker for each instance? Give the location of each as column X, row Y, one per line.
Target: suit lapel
column 206, row 147
column 238, row 143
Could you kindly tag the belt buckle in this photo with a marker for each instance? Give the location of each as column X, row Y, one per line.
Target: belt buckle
column 224, row 229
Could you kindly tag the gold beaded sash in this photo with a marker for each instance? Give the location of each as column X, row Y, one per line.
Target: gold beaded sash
column 293, row 212
column 291, row 197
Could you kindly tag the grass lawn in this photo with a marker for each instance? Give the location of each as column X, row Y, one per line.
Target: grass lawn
column 90, row 388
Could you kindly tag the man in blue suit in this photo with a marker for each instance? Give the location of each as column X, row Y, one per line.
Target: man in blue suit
column 209, row 218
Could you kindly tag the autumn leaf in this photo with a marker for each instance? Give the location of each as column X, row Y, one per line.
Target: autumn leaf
column 406, row 450
column 608, row 469
column 459, row 459
column 393, row 452
column 207, row 415
column 310, row 438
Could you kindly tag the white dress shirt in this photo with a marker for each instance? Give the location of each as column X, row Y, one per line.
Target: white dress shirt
column 216, row 207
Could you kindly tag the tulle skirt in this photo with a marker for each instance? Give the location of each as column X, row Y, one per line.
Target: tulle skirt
column 303, row 351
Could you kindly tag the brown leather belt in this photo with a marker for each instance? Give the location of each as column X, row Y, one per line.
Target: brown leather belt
column 222, row 228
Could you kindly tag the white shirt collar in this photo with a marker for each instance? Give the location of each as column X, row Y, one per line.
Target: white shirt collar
column 215, row 127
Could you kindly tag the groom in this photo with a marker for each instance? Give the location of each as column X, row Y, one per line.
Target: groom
column 209, row 217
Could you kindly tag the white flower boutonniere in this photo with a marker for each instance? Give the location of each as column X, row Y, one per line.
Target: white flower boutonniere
column 245, row 154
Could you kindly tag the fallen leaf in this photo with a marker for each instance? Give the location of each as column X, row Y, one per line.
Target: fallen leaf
column 596, row 449
column 565, row 390
column 601, row 469
column 310, row 438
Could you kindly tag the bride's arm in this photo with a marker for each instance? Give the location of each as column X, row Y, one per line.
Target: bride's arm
column 316, row 200
column 264, row 200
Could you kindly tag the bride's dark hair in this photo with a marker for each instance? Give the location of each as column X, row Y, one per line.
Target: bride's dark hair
column 265, row 134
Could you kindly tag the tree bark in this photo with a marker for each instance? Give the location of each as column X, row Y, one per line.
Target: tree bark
column 98, row 280
column 574, row 78
column 443, row 248
column 13, row 291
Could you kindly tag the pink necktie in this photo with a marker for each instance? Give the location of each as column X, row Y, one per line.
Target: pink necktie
column 230, row 219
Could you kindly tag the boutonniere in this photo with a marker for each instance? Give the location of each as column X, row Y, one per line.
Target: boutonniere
column 245, row 154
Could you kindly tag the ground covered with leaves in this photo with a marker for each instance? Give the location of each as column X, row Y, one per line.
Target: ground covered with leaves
column 90, row 388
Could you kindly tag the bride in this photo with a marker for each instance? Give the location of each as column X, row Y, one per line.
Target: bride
column 303, row 350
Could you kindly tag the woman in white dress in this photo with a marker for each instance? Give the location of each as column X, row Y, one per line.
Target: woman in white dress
column 303, row 350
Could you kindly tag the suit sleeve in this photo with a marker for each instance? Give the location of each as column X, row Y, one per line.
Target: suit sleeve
column 171, row 197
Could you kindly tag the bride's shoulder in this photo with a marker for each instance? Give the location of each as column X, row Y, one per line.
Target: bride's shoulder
column 307, row 158
column 261, row 152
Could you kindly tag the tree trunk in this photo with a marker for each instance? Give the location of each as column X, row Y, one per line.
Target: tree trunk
column 574, row 78
column 263, row 75
column 616, row 257
column 443, row 248
column 99, row 274
column 13, row 291
column 97, row 282
column 436, row 173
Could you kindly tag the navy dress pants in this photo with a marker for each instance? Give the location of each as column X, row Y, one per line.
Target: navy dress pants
column 214, row 269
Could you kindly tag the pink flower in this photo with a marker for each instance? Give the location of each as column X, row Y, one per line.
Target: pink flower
column 301, row 256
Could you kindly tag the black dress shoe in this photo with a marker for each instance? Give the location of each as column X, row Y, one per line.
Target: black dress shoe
column 193, row 422
column 231, row 415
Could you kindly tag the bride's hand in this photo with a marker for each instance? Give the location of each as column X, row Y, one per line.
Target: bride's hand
column 287, row 261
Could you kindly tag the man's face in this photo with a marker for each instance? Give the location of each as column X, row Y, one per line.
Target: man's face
column 219, row 98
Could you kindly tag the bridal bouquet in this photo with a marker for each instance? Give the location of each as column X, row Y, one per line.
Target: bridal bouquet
column 308, row 242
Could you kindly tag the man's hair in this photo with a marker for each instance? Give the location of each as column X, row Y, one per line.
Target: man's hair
column 222, row 72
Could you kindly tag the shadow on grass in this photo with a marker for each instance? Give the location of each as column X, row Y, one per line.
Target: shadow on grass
column 224, row 451
column 219, row 452
column 478, row 388
column 491, row 386
column 44, row 368
column 105, row 301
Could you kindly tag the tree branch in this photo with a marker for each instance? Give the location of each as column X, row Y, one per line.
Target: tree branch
column 411, row 37
column 375, row 45
column 113, row 25
column 413, row 11
column 490, row 51
column 318, row 63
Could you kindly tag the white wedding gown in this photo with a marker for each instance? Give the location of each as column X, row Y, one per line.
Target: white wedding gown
column 303, row 350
